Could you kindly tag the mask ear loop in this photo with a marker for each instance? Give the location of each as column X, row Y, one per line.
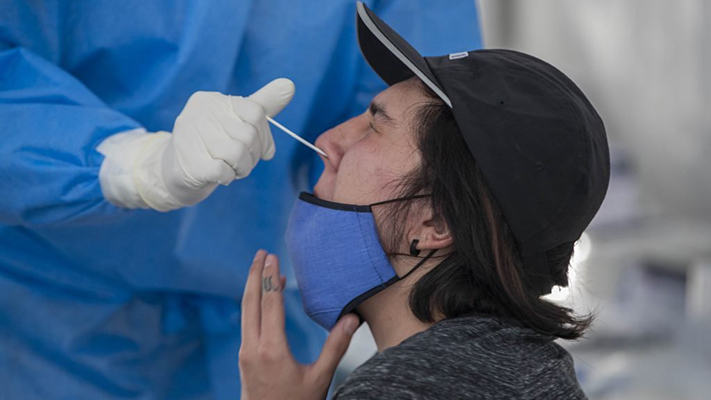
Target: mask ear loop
column 419, row 264
column 419, row 196
column 431, row 253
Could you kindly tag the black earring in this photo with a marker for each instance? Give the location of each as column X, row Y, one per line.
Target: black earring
column 413, row 248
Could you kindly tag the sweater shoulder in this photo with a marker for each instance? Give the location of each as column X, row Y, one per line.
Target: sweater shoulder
column 467, row 358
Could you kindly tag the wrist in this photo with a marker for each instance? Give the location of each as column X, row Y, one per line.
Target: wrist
column 147, row 173
column 116, row 172
column 131, row 173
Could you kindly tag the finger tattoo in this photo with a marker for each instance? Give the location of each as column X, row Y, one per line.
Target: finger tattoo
column 268, row 286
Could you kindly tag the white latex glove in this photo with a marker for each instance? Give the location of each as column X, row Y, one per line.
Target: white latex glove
column 216, row 139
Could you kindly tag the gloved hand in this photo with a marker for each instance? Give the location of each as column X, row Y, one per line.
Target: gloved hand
column 216, row 139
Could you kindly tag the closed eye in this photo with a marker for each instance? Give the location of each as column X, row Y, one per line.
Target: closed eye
column 377, row 111
column 373, row 128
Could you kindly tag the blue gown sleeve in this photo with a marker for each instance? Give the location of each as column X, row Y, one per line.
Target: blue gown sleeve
column 431, row 28
column 51, row 126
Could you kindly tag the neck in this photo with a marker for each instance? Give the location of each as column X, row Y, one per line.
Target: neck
column 389, row 317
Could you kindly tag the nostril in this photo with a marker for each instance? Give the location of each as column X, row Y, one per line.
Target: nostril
column 328, row 148
column 321, row 142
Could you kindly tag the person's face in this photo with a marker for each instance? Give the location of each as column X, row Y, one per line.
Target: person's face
column 369, row 154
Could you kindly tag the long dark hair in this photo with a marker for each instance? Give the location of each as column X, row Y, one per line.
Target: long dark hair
column 484, row 273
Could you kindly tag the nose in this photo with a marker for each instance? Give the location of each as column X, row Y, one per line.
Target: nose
column 327, row 142
column 336, row 141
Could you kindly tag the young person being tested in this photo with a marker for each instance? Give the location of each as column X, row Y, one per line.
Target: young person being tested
column 444, row 213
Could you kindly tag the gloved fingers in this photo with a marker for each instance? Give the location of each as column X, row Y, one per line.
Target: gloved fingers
column 246, row 134
column 268, row 149
column 251, row 113
column 211, row 171
column 234, row 153
column 248, row 111
column 245, row 163
column 274, row 96
column 224, row 174
column 201, row 104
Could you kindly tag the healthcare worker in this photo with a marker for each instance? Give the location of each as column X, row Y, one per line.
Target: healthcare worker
column 111, row 287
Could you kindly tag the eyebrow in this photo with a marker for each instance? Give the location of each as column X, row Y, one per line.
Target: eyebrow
column 377, row 110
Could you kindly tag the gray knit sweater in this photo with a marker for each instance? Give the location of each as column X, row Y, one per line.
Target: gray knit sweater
column 474, row 357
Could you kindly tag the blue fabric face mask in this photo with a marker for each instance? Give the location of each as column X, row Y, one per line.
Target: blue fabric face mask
column 337, row 257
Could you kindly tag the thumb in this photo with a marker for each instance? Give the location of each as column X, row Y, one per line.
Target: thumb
column 336, row 346
column 274, row 96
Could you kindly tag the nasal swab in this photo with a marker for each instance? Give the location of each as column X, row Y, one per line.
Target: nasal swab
column 297, row 137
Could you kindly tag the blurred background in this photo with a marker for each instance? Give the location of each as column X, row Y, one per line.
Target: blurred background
column 644, row 265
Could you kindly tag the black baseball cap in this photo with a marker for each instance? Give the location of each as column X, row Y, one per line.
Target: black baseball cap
column 538, row 141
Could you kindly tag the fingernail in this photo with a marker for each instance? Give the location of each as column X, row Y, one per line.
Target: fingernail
column 270, row 261
column 350, row 326
column 257, row 254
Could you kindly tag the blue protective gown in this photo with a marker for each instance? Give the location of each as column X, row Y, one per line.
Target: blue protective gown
column 98, row 302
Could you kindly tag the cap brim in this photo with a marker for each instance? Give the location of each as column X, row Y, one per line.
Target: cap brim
column 390, row 56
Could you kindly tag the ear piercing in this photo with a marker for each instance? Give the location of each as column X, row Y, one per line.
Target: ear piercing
column 413, row 248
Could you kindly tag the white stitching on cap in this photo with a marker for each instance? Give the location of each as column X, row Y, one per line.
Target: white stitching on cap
column 375, row 31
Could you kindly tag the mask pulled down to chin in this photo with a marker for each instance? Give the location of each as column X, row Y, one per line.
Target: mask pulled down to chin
column 337, row 257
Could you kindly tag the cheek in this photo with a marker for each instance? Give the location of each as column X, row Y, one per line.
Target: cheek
column 362, row 175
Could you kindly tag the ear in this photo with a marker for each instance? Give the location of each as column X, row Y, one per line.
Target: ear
column 431, row 232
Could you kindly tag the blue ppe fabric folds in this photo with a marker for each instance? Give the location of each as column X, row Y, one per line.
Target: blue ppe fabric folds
column 337, row 257
column 98, row 302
